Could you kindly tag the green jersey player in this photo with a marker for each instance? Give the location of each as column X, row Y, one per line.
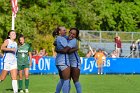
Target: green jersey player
column 24, row 51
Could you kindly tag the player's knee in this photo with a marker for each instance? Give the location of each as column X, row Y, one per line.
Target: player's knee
column 26, row 76
column 14, row 78
column 75, row 80
column 20, row 78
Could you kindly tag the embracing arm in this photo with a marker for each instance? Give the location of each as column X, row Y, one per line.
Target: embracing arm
column 63, row 51
column 4, row 47
column 72, row 50
column 67, row 50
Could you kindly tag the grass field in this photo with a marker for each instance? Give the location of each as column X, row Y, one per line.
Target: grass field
column 90, row 84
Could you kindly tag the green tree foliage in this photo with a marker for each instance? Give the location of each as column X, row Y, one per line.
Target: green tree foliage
column 37, row 19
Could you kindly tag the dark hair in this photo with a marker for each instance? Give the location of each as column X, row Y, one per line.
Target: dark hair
column 77, row 33
column 8, row 37
column 56, row 32
column 20, row 36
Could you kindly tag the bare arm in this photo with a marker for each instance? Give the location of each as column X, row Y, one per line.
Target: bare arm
column 4, row 47
column 30, row 57
column 67, row 50
column 63, row 51
column 72, row 50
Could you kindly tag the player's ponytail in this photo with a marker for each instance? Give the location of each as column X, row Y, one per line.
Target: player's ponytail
column 56, row 32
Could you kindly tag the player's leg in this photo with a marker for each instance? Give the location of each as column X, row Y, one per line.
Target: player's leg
column 101, row 69
column 20, row 81
column 26, row 71
column 3, row 75
column 75, row 73
column 60, row 83
column 14, row 80
column 4, row 71
column 66, row 77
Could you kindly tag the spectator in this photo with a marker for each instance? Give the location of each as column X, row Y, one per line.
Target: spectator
column 114, row 54
column 118, row 45
column 138, row 42
column 91, row 53
column 100, row 58
column 42, row 52
column 34, row 53
column 133, row 49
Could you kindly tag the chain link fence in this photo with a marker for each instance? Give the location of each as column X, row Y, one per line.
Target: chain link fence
column 105, row 41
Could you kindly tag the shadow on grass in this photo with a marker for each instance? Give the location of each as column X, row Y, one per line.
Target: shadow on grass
column 9, row 89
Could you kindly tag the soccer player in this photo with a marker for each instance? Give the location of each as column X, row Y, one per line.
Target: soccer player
column 10, row 61
column 24, row 50
column 74, row 58
column 100, row 58
column 62, row 60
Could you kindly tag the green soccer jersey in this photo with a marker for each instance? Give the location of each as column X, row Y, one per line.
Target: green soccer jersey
column 23, row 53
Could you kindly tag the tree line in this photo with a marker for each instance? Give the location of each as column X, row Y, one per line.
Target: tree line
column 37, row 19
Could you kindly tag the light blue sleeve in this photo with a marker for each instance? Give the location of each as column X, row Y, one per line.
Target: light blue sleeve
column 63, row 41
column 72, row 43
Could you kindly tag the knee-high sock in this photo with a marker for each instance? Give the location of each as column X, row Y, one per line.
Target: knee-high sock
column 15, row 85
column 26, row 83
column 66, row 86
column 59, row 86
column 78, row 87
column 20, row 84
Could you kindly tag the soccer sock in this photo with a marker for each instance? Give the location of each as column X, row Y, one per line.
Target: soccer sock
column 20, row 84
column 26, row 83
column 59, row 86
column 69, row 86
column 78, row 87
column 15, row 86
column 66, row 85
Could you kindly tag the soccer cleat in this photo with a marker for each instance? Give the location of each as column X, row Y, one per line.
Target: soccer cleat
column 21, row 91
column 26, row 91
column 0, row 81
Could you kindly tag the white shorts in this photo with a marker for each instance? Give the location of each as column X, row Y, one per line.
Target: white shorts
column 8, row 66
column 75, row 64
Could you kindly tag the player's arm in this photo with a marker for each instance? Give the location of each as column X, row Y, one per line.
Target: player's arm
column 64, row 43
column 73, row 46
column 64, row 50
column 30, row 57
column 73, row 50
column 4, row 47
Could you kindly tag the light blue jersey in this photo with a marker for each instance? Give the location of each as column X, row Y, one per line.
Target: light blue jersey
column 8, row 55
column 9, row 59
column 62, row 59
column 74, row 57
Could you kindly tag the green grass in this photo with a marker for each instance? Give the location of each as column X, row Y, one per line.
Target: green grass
column 90, row 84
